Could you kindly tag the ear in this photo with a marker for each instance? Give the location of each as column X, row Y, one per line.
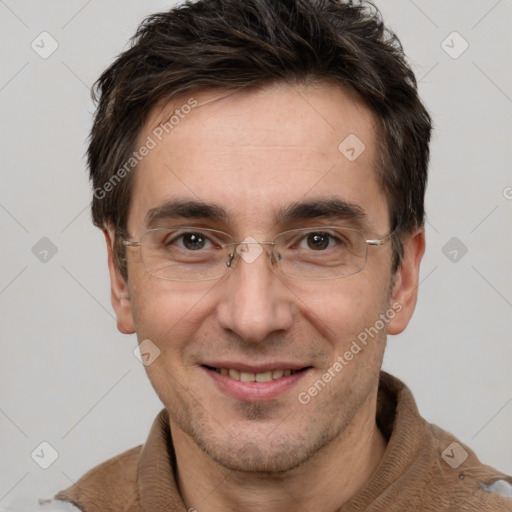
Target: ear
column 119, row 290
column 405, row 287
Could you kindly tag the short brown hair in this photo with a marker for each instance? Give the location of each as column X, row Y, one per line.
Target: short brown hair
column 234, row 44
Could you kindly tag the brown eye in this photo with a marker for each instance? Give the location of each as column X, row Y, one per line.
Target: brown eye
column 193, row 241
column 318, row 241
column 190, row 241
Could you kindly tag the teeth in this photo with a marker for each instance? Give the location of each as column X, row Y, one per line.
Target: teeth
column 234, row 374
column 264, row 376
column 247, row 377
column 277, row 374
column 255, row 377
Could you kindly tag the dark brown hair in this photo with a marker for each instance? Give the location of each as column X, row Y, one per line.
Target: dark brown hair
column 233, row 44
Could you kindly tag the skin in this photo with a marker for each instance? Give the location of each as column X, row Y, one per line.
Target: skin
column 252, row 153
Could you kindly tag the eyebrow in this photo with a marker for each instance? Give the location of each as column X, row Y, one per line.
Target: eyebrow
column 187, row 209
column 331, row 208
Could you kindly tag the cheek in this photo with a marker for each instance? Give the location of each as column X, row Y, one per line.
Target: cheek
column 341, row 309
column 168, row 313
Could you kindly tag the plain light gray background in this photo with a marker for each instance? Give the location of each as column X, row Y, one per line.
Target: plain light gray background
column 69, row 378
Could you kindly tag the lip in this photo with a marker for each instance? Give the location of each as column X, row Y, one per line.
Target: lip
column 255, row 368
column 256, row 391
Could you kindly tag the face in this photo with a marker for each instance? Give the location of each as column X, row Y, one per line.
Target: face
column 253, row 155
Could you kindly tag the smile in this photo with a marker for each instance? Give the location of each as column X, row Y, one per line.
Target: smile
column 266, row 376
column 256, row 385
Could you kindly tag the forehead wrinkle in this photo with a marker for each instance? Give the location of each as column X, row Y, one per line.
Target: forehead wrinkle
column 164, row 108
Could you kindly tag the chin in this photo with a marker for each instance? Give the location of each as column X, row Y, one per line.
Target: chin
column 264, row 449
column 258, row 457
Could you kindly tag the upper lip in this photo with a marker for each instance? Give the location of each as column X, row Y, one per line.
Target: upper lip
column 256, row 368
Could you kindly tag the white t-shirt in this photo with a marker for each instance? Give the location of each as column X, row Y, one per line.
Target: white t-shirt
column 34, row 505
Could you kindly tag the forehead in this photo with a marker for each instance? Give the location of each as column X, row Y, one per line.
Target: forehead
column 255, row 152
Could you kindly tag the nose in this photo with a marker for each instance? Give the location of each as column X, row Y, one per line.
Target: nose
column 255, row 302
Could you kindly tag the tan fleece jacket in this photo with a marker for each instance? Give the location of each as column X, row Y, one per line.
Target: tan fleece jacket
column 421, row 470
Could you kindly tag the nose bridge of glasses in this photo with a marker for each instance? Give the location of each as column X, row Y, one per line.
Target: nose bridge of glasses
column 235, row 248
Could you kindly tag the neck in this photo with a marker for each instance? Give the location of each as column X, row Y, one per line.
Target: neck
column 324, row 482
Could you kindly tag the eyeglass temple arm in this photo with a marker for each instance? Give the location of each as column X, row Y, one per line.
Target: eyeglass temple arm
column 381, row 241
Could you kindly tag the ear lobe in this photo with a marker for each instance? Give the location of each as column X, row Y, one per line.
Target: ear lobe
column 118, row 288
column 405, row 287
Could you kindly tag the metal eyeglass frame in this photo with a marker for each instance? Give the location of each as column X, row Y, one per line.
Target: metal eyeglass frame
column 374, row 242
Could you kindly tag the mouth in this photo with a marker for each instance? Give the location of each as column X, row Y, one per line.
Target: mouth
column 255, row 384
column 264, row 376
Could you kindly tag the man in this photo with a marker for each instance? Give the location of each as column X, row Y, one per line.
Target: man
column 259, row 170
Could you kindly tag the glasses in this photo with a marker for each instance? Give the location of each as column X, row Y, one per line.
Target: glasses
column 183, row 253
